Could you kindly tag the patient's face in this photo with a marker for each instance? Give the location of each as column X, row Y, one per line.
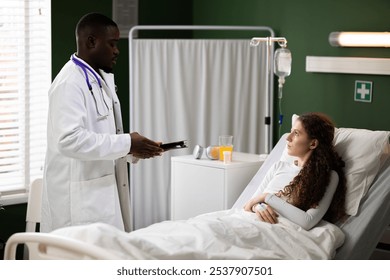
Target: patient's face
column 298, row 141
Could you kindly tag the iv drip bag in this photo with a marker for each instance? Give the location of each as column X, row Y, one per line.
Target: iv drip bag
column 282, row 62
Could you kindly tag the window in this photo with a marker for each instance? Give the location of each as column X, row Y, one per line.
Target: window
column 25, row 77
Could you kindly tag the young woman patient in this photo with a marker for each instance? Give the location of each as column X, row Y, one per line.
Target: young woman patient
column 313, row 186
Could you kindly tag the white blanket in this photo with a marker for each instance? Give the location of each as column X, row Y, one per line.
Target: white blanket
column 230, row 234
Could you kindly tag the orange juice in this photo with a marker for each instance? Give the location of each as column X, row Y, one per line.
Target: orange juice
column 224, row 149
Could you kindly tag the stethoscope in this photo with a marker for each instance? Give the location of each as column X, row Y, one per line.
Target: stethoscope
column 86, row 68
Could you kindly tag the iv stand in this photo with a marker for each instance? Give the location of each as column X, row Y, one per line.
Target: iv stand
column 255, row 41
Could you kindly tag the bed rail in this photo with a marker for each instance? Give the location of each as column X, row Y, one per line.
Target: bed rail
column 45, row 246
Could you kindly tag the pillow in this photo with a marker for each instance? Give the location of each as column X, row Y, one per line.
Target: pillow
column 363, row 152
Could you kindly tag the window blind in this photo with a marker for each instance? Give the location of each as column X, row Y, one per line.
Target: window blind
column 25, row 77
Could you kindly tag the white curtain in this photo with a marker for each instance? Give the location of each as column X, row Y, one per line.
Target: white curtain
column 192, row 90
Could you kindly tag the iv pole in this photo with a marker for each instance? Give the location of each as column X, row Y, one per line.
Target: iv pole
column 255, row 41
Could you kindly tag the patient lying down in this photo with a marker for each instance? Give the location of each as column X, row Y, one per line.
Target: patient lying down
column 293, row 203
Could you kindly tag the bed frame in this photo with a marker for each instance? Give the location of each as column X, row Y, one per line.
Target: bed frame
column 364, row 231
column 46, row 246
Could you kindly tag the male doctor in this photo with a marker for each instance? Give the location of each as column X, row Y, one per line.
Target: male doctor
column 85, row 175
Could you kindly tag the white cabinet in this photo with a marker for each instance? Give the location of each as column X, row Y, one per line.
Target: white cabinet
column 201, row 185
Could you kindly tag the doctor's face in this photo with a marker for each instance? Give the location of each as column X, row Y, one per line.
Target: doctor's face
column 106, row 53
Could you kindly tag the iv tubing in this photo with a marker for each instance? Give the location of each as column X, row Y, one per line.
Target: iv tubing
column 280, row 94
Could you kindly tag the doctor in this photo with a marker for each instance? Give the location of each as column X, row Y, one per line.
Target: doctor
column 85, row 175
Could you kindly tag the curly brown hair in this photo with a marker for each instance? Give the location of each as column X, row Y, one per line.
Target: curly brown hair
column 307, row 189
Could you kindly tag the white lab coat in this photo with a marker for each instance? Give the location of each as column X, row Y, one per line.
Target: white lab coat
column 85, row 175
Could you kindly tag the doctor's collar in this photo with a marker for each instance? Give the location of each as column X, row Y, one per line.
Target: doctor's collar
column 85, row 67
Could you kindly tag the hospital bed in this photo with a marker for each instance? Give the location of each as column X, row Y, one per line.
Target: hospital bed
column 366, row 154
column 364, row 229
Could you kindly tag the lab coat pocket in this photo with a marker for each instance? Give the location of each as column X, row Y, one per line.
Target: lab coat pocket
column 93, row 200
column 102, row 101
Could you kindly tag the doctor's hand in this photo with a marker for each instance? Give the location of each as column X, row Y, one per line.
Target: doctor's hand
column 142, row 147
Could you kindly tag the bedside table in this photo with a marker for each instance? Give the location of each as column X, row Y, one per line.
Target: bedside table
column 200, row 186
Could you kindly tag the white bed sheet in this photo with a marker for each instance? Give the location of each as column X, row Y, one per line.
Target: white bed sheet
column 230, row 234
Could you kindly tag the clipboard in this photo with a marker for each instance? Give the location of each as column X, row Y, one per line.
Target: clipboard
column 174, row 145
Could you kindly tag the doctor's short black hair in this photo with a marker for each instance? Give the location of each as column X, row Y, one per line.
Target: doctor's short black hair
column 93, row 22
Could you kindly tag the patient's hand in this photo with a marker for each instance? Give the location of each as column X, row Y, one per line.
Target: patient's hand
column 248, row 206
column 254, row 201
column 266, row 213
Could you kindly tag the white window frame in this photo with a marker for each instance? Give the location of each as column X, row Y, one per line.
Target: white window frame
column 25, row 78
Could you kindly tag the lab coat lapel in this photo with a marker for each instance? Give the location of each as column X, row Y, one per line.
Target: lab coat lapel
column 121, row 163
column 109, row 81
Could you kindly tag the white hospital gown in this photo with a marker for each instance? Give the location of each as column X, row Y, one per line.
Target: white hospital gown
column 279, row 176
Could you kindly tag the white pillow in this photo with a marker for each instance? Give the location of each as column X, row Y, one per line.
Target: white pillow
column 363, row 151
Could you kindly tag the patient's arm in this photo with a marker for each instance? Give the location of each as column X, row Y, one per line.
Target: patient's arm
column 305, row 219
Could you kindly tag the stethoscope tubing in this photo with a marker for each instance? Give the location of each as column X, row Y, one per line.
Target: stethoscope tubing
column 86, row 68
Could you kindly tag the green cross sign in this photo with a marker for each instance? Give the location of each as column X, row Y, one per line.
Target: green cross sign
column 363, row 91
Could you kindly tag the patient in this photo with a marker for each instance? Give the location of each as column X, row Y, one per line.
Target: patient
column 312, row 187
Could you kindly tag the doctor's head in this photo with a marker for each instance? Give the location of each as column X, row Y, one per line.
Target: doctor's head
column 97, row 39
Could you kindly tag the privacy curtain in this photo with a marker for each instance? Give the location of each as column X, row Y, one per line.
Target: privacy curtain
column 192, row 90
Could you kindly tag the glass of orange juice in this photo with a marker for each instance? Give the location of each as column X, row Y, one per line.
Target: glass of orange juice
column 225, row 145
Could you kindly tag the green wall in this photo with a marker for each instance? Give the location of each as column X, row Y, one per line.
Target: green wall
column 306, row 24
column 12, row 219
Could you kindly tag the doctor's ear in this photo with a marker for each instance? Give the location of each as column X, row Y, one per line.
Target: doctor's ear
column 91, row 41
